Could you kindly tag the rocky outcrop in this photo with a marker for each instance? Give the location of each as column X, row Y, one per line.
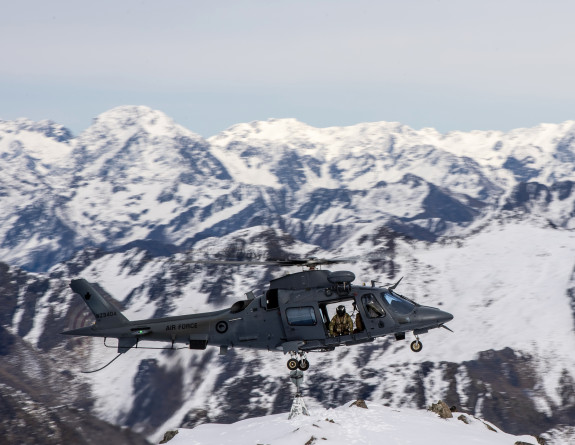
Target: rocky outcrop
column 360, row 403
column 441, row 409
column 169, row 435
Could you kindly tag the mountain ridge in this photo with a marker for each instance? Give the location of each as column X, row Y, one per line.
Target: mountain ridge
column 135, row 175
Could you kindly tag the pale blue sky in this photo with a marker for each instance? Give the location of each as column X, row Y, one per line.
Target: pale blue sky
column 452, row 65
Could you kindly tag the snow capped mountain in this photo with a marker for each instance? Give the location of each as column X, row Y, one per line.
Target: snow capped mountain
column 543, row 153
column 479, row 223
column 147, row 166
column 355, row 158
column 135, row 175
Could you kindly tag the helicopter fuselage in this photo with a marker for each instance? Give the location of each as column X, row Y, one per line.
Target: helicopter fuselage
column 293, row 316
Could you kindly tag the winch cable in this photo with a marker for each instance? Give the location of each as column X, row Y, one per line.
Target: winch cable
column 99, row 369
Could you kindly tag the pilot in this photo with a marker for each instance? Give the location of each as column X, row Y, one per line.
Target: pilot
column 359, row 326
column 341, row 323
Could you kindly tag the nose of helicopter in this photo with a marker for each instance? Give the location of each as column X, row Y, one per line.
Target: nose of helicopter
column 444, row 317
column 433, row 316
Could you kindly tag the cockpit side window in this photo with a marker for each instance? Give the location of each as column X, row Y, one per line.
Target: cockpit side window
column 373, row 307
column 397, row 304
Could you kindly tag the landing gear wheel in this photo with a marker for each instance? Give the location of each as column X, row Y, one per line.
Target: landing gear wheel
column 292, row 364
column 303, row 364
column 416, row 346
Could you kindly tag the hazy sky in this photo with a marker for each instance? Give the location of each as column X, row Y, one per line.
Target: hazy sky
column 210, row 64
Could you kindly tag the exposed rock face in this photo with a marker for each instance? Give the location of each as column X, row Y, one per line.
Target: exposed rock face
column 41, row 400
column 441, row 409
column 154, row 385
column 360, row 403
column 499, row 380
column 24, row 420
column 463, row 418
column 563, row 434
column 169, row 435
column 39, row 405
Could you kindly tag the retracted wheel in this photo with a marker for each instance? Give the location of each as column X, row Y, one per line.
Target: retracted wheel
column 292, row 364
column 303, row 364
column 416, row 346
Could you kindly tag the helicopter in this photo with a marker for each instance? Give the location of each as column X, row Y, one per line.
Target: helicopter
column 293, row 316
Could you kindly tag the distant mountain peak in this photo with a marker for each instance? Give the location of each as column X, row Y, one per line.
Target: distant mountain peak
column 136, row 119
column 285, row 129
column 46, row 127
column 128, row 115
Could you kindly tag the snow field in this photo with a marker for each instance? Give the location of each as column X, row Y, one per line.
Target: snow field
column 350, row 425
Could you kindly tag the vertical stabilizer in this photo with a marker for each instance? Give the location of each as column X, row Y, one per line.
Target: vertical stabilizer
column 107, row 315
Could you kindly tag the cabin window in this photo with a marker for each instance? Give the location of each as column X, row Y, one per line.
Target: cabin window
column 301, row 316
column 398, row 304
column 373, row 307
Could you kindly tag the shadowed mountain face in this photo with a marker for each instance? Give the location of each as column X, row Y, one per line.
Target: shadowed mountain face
column 43, row 402
column 479, row 223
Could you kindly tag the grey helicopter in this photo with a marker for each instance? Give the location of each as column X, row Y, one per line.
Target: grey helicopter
column 293, row 316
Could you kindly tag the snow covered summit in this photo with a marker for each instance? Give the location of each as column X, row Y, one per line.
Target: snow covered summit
column 349, row 424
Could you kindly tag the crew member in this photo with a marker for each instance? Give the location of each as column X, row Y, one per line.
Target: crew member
column 341, row 323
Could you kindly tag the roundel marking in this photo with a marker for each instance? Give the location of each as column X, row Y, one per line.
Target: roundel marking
column 221, row 327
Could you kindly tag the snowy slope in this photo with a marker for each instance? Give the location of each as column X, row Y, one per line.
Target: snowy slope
column 507, row 286
column 349, row 424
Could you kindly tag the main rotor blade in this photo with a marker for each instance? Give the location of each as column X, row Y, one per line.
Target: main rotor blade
column 277, row 262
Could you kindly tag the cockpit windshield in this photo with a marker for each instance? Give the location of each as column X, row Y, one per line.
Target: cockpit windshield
column 398, row 305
